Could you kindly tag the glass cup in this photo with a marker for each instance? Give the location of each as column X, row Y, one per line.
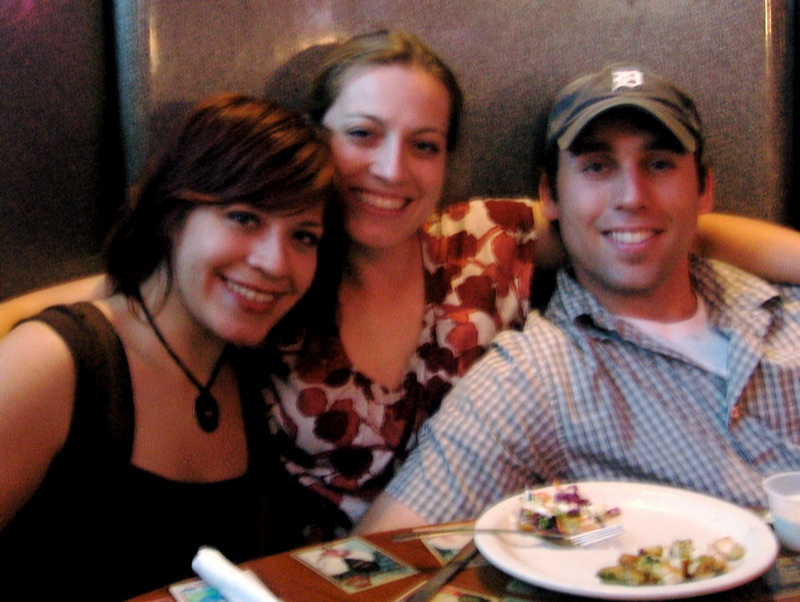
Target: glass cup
column 783, row 495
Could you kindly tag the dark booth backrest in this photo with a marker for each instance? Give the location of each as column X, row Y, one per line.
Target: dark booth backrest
column 511, row 57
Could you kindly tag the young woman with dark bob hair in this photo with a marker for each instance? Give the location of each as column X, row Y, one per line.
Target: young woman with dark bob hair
column 131, row 431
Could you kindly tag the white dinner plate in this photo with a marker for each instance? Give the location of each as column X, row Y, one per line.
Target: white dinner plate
column 651, row 515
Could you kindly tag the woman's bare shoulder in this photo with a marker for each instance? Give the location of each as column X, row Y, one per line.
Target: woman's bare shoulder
column 34, row 355
column 37, row 389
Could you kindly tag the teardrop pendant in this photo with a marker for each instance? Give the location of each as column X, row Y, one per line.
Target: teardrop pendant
column 206, row 411
column 206, row 408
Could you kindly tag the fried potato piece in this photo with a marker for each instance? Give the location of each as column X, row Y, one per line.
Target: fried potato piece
column 622, row 575
column 657, row 565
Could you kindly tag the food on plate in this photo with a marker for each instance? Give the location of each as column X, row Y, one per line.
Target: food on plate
column 676, row 563
column 562, row 511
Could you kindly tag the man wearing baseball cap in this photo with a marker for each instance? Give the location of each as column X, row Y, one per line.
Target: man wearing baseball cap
column 649, row 364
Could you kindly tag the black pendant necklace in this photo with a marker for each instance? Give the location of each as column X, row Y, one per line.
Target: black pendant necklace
column 206, row 408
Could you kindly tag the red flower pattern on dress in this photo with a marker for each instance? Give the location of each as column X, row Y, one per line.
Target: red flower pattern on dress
column 311, row 401
column 347, row 432
column 338, row 424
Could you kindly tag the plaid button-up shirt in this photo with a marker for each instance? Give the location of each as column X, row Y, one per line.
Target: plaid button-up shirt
column 584, row 395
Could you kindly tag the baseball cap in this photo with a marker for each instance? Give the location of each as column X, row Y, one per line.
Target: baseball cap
column 622, row 85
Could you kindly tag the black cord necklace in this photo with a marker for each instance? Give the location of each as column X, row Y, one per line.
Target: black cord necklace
column 206, row 408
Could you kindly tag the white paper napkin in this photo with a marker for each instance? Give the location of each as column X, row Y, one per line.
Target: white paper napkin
column 233, row 583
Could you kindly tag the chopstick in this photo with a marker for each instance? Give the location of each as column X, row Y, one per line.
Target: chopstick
column 579, row 539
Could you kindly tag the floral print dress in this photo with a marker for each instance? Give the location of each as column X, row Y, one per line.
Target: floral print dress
column 343, row 434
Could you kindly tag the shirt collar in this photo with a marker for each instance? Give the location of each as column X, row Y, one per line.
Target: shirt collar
column 731, row 295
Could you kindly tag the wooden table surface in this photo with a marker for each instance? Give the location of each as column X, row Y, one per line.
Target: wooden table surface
column 293, row 581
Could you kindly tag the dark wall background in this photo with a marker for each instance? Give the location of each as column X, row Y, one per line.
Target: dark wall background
column 62, row 115
column 60, row 156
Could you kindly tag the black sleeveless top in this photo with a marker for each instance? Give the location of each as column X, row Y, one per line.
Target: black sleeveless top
column 100, row 528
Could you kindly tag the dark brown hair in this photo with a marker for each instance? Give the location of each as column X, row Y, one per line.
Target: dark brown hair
column 229, row 149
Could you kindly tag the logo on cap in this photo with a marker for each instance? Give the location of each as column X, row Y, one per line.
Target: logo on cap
column 631, row 78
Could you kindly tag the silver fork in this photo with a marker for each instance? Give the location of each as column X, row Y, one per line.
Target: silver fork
column 586, row 538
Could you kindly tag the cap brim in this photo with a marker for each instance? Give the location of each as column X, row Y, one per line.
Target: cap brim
column 656, row 109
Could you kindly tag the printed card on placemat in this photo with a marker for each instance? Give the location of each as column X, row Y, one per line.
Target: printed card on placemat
column 444, row 547
column 195, row 591
column 353, row 564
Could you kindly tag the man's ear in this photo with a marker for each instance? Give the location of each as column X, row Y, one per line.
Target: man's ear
column 706, row 204
column 547, row 197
